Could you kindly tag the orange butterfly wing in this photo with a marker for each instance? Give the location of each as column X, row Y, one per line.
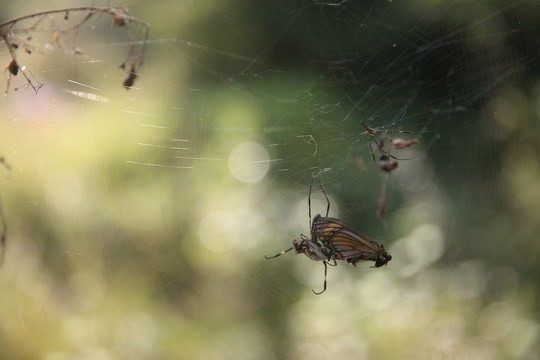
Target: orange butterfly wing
column 346, row 243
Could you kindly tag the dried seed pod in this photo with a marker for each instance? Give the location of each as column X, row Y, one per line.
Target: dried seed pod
column 130, row 77
column 402, row 144
column 13, row 67
column 58, row 39
column 119, row 20
column 388, row 166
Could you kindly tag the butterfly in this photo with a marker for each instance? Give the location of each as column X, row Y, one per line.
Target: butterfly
column 332, row 239
column 346, row 243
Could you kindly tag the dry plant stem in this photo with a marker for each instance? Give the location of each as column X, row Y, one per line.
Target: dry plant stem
column 3, row 236
column 381, row 210
column 120, row 18
column 12, row 54
column 115, row 10
column 3, row 226
column 130, row 51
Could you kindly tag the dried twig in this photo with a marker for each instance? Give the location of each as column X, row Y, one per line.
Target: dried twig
column 3, row 230
column 381, row 201
column 387, row 164
column 2, row 219
column 15, row 36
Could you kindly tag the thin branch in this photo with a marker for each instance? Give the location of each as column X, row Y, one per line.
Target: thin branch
column 118, row 11
column 3, row 236
column 120, row 18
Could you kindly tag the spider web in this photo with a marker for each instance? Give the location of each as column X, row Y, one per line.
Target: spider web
column 137, row 220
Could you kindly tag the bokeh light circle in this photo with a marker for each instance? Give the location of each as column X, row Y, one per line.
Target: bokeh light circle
column 249, row 162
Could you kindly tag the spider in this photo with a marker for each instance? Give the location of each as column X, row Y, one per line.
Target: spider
column 373, row 131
